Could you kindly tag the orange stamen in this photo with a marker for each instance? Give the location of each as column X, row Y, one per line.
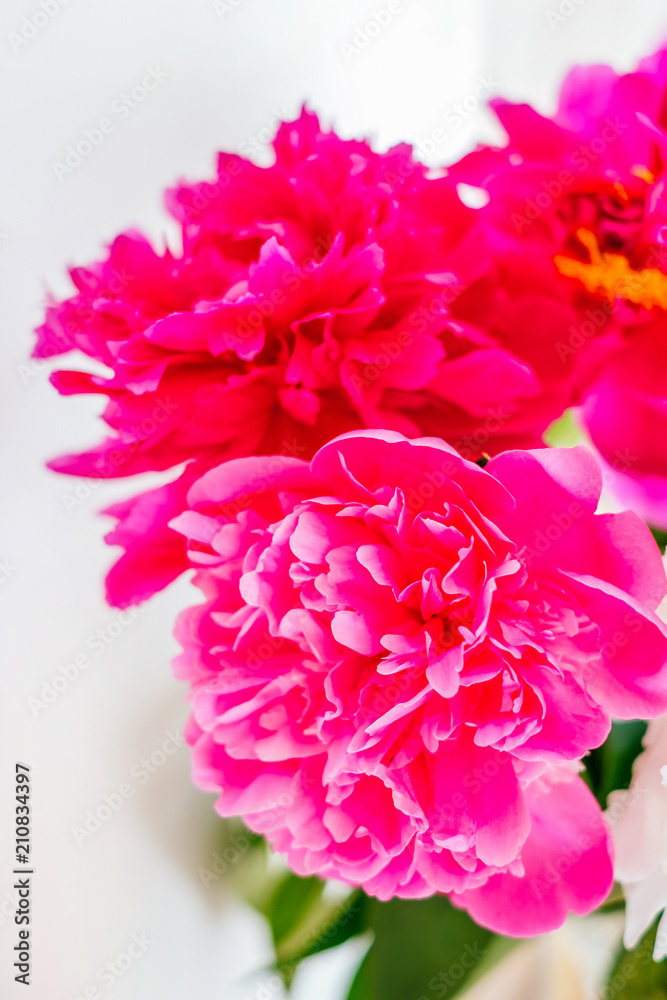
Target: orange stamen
column 610, row 274
column 621, row 192
column 643, row 173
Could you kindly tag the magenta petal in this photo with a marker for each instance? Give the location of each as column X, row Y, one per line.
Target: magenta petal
column 563, row 527
column 481, row 380
column 567, row 860
column 444, row 672
column 243, row 476
column 629, row 634
column 375, row 623
column 466, row 799
column 155, row 554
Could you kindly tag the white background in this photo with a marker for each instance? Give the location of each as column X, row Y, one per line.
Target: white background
column 228, row 75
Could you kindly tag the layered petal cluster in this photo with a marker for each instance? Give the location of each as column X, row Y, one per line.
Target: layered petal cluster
column 578, row 200
column 337, row 288
column 402, row 657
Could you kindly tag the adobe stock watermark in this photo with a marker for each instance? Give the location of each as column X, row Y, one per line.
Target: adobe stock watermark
column 580, row 160
column 239, row 844
column 367, row 31
column 621, row 800
column 475, row 440
column 222, row 861
column 274, row 985
column 398, row 341
column 565, row 9
column 419, row 497
column 266, row 304
column 34, row 367
column 560, row 522
column 121, row 108
column 208, row 191
column 96, row 644
column 225, row 7
column 552, row 872
column 260, row 483
column 8, row 906
column 139, row 774
column 598, row 318
column 624, row 974
column 36, row 22
column 58, row 341
column 257, row 143
column 440, row 984
column 109, row 973
column 7, row 570
column 118, row 459
column 457, row 114
column 475, row 781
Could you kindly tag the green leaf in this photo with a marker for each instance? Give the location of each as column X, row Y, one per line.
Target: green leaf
column 324, row 926
column 423, row 949
column 660, row 537
column 341, row 922
column 362, row 985
column 610, row 766
column 635, row 976
column 291, row 900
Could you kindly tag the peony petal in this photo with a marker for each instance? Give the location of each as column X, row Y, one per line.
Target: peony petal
column 567, row 860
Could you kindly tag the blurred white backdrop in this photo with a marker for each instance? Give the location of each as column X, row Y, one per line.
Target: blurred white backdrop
column 227, row 70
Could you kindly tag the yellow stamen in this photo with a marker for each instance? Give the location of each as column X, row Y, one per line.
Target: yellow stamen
column 643, row 173
column 610, row 274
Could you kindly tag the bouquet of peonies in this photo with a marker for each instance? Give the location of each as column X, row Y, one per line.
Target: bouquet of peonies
column 422, row 628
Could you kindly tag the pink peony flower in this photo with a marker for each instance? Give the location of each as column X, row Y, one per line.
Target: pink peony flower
column 580, row 200
column 402, row 657
column 338, row 288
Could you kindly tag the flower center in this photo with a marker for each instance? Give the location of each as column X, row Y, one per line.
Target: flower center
column 610, row 274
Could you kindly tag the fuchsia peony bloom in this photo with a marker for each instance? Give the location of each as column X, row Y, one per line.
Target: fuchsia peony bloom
column 402, row 657
column 582, row 198
column 338, row 288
